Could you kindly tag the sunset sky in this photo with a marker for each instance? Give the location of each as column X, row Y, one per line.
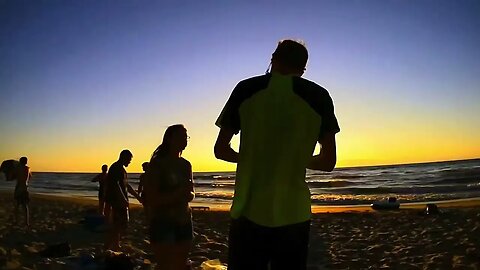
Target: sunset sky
column 82, row 80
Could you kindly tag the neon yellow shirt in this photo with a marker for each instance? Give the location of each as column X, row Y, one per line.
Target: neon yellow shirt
column 280, row 118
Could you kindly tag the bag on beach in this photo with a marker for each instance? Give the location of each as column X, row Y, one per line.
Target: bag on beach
column 94, row 222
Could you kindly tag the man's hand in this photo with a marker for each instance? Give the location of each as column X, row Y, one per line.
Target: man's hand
column 326, row 160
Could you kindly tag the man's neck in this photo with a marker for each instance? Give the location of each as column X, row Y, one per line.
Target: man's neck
column 284, row 71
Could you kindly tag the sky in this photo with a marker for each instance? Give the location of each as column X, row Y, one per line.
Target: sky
column 82, row 80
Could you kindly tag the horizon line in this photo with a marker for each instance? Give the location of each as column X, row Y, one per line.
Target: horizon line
column 346, row 167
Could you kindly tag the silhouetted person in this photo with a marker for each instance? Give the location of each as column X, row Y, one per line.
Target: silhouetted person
column 141, row 183
column 280, row 117
column 117, row 197
column 101, row 178
column 169, row 189
column 141, row 188
column 21, row 195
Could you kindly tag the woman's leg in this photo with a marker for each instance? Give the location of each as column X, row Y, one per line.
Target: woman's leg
column 171, row 256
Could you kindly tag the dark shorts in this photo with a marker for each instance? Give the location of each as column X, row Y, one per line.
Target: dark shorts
column 21, row 196
column 164, row 231
column 252, row 246
column 120, row 217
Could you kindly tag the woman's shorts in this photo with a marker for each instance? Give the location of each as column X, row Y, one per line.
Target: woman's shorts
column 165, row 231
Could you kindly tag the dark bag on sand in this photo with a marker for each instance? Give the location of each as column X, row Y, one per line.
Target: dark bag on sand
column 118, row 262
column 57, row 250
column 94, row 222
column 431, row 209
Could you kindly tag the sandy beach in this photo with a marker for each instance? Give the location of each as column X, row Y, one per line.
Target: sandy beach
column 341, row 237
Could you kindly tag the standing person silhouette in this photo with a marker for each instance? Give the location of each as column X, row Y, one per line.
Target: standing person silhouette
column 21, row 195
column 141, row 188
column 117, row 197
column 101, row 178
column 281, row 117
column 169, row 189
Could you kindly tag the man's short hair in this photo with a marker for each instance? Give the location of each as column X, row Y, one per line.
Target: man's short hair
column 126, row 154
column 23, row 160
column 291, row 53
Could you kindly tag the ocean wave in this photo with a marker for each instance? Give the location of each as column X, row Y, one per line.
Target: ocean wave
column 331, row 184
column 215, row 184
column 329, row 199
column 458, row 180
column 401, row 190
column 214, row 177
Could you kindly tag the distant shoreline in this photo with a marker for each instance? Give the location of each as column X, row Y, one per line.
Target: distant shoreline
column 86, row 200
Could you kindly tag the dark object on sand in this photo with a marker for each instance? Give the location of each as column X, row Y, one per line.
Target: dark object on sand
column 115, row 261
column 8, row 168
column 57, row 250
column 94, row 222
column 390, row 204
column 431, row 209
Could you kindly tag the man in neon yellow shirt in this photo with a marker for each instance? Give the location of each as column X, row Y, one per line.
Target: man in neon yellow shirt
column 280, row 117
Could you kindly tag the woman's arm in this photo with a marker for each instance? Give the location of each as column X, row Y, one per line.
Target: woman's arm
column 190, row 192
column 182, row 194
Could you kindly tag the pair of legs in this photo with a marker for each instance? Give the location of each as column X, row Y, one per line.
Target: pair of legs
column 171, row 243
column 26, row 210
column 171, row 256
column 252, row 246
column 22, row 198
column 101, row 206
column 117, row 227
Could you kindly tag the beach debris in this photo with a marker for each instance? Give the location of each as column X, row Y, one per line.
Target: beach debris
column 48, row 264
column 34, row 247
column 15, row 253
column 390, row 204
column 12, row 264
column 214, row 264
column 144, row 264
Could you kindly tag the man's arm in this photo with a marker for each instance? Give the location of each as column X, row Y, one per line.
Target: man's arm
column 120, row 195
column 326, row 160
column 140, row 184
column 222, row 148
column 132, row 191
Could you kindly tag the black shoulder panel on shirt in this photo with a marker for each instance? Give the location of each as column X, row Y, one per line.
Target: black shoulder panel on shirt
column 248, row 87
column 315, row 95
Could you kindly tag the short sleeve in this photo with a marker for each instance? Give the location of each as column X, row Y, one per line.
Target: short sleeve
column 230, row 116
column 329, row 120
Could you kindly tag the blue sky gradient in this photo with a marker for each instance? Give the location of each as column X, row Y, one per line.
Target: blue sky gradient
column 81, row 80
